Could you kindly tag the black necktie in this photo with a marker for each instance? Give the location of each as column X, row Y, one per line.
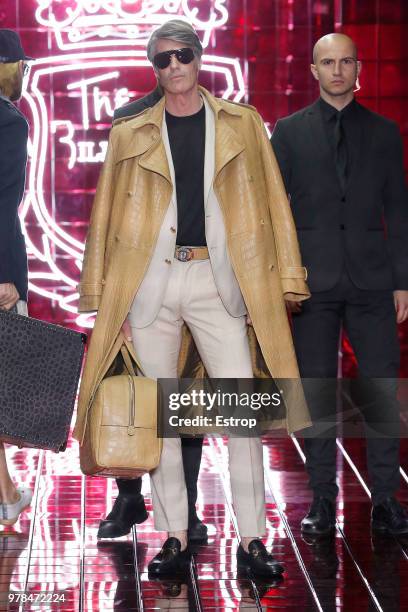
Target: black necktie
column 340, row 150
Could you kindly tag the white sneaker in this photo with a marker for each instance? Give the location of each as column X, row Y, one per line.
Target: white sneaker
column 9, row 513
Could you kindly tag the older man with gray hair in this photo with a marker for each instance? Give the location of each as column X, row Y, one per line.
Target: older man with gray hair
column 205, row 227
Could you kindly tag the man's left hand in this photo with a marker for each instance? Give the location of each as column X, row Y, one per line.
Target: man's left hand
column 401, row 305
column 127, row 330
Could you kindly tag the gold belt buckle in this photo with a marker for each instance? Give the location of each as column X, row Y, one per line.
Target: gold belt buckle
column 184, row 253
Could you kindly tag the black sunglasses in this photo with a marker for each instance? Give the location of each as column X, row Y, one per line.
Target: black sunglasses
column 184, row 56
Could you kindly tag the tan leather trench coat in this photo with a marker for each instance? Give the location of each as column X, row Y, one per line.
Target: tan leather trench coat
column 133, row 193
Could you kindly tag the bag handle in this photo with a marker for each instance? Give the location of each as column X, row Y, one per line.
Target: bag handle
column 129, row 357
column 127, row 360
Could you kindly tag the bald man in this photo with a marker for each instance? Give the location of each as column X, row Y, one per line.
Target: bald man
column 343, row 169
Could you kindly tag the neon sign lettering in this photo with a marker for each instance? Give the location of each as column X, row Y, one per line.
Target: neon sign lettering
column 77, row 22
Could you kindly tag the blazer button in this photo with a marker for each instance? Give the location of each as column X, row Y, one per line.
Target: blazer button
column 167, row 261
column 271, row 266
column 250, row 178
column 130, row 193
column 173, row 229
column 262, row 222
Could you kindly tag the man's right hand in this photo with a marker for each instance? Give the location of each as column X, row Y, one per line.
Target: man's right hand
column 9, row 296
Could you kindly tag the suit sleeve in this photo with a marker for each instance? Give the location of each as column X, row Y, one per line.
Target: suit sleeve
column 92, row 274
column 280, row 148
column 293, row 275
column 12, row 168
column 396, row 210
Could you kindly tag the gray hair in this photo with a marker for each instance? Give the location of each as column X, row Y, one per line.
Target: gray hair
column 179, row 31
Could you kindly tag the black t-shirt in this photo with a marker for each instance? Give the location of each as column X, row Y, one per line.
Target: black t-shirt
column 187, row 144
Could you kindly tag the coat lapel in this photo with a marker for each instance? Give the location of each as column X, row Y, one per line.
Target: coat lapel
column 148, row 140
column 360, row 137
column 155, row 160
column 318, row 136
column 209, row 163
column 145, row 140
column 227, row 143
column 319, row 141
column 167, row 149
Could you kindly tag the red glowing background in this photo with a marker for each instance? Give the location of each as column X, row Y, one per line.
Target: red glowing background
column 258, row 50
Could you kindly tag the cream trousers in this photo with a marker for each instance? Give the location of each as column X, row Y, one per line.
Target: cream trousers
column 221, row 340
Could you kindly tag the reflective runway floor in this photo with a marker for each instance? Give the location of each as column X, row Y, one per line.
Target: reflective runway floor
column 53, row 555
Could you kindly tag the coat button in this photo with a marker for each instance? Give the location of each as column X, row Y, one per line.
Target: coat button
column 262, row 222
column 250, row 178
column 173, row 229
column 271, row 266
column 167, row 261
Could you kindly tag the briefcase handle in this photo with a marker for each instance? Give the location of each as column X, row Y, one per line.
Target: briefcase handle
column 129, row 357
column 128, row 361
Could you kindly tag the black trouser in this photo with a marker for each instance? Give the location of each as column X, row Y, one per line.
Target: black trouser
column 369, row 319
column 192, row 450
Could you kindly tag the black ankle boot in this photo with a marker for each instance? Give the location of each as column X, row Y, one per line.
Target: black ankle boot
column 389, row 517
column 126, row 512
column 321, row 518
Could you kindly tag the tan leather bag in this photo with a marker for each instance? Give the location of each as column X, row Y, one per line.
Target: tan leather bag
column 121, row 432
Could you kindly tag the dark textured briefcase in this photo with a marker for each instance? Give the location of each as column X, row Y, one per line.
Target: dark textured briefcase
column 40, row 365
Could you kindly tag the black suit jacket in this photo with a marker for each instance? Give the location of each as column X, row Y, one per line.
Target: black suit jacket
column 365, row 228
column 13, row 159
column 137, row 106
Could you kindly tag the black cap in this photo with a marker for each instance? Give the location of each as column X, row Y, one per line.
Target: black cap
column 11, row 49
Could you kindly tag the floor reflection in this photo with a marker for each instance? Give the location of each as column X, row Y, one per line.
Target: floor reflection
column 51, row 549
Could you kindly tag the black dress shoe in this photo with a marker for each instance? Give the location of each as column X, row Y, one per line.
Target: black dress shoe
column 127, row 511
column 321, row 518
column 257, row 562
column 324, row 562
column 197, row 530
column 389, row 517
column 170, row 561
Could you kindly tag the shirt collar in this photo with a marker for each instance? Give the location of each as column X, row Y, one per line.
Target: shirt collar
column 328, row 111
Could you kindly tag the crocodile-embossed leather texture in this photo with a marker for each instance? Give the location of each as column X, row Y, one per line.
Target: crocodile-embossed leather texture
column 40, row 365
